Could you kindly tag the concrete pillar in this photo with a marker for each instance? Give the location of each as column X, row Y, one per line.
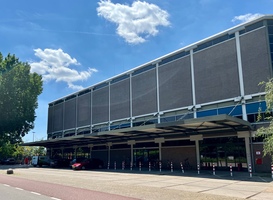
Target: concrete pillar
column 51, row 151
column 197, row 138
column 132, row 142
column 246, row 135
column 160, row 141
column 75, row 151
column 109, row 144
column 62, row 149
column 90, row 148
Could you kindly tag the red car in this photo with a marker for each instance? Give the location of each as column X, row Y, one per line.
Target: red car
column 90, row 163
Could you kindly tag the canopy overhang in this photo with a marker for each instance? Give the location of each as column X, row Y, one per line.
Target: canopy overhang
column 211, row 126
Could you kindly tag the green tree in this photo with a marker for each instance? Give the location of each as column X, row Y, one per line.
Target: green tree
column 19, row 89
column 41, row 151
column 267, row 132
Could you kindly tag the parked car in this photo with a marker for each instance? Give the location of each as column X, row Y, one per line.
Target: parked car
column 60, row 162
column 40, row 161
column 76, row 160
column 10, row 161
column 90, row 163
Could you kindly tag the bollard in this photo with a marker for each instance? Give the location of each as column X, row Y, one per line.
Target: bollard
column 198, row 168
column 131, row 166
column 108, row 165
column 250, row 170
column 230, row 169
column 171, row 166
column 149, row 166
column 139, row 166
column 182, row 169
column 115, row 165
column 160, row 166
column 272, row 170
column 122, row 165
column 213, row 168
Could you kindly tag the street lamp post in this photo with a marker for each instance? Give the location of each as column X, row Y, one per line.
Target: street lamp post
column 33, row 136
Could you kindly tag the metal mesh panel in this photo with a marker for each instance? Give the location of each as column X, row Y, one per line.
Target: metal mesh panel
column 255, row 60
column 175, row 88
column 84, row 110
column 144, row 93
column 216, row 73
column 120, row 100
column 58, row 117
column 100, row 105
column 70, row 114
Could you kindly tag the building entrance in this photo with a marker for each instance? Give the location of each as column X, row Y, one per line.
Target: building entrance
column 223, row 152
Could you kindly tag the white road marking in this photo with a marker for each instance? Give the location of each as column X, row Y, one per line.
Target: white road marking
column 19, row 188
column 35, row 193
column 7, row 185
column 55, row 198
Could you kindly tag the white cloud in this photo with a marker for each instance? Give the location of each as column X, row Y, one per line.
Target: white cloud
column 55, row 65
column 246, row 17
column 136, row 22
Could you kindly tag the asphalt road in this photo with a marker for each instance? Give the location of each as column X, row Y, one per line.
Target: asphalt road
column 15, row 188
column 125, row 184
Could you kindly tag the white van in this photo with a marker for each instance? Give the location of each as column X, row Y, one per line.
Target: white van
column 40, row 161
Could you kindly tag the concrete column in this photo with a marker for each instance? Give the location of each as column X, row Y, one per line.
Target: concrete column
column 109, row 144
column 62, row 149
column 193, row 82
column 90, row 148
column 197, row 138
column 157, row 94
column 75, row 151
column 160, row 141
column 240, row 71
column 131, row 102
column 246, row 135
column 51, row 152
column 132, row 142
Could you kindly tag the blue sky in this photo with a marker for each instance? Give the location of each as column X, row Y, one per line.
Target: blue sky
column 76, row 44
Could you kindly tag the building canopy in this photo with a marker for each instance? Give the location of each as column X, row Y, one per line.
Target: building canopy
column 212, row 126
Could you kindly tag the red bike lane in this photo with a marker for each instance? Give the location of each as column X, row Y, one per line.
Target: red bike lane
column 58, row 191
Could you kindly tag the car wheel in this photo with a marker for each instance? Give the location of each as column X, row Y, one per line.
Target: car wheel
column 83, row 167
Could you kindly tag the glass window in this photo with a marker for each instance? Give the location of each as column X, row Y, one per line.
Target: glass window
column 270, row 22
column 100, row 86
column 270, row 29
column 203, row 46
column 254, row 107
column 220, row 39
column 207, row 113
column 254, row 26
column 84, row 92
column 233, row 111
column 174, row 57
column 120, row 78
column 143, row 69
column 271, row 38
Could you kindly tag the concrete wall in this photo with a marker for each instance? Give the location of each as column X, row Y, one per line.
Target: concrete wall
column 265, row 164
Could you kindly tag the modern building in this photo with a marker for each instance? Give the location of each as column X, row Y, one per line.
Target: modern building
column 197, row 105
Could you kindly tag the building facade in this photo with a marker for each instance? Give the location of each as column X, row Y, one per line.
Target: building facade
column 195, row 106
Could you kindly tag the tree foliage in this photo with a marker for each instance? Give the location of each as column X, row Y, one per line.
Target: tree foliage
column 19, row 89
column 267, row 132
